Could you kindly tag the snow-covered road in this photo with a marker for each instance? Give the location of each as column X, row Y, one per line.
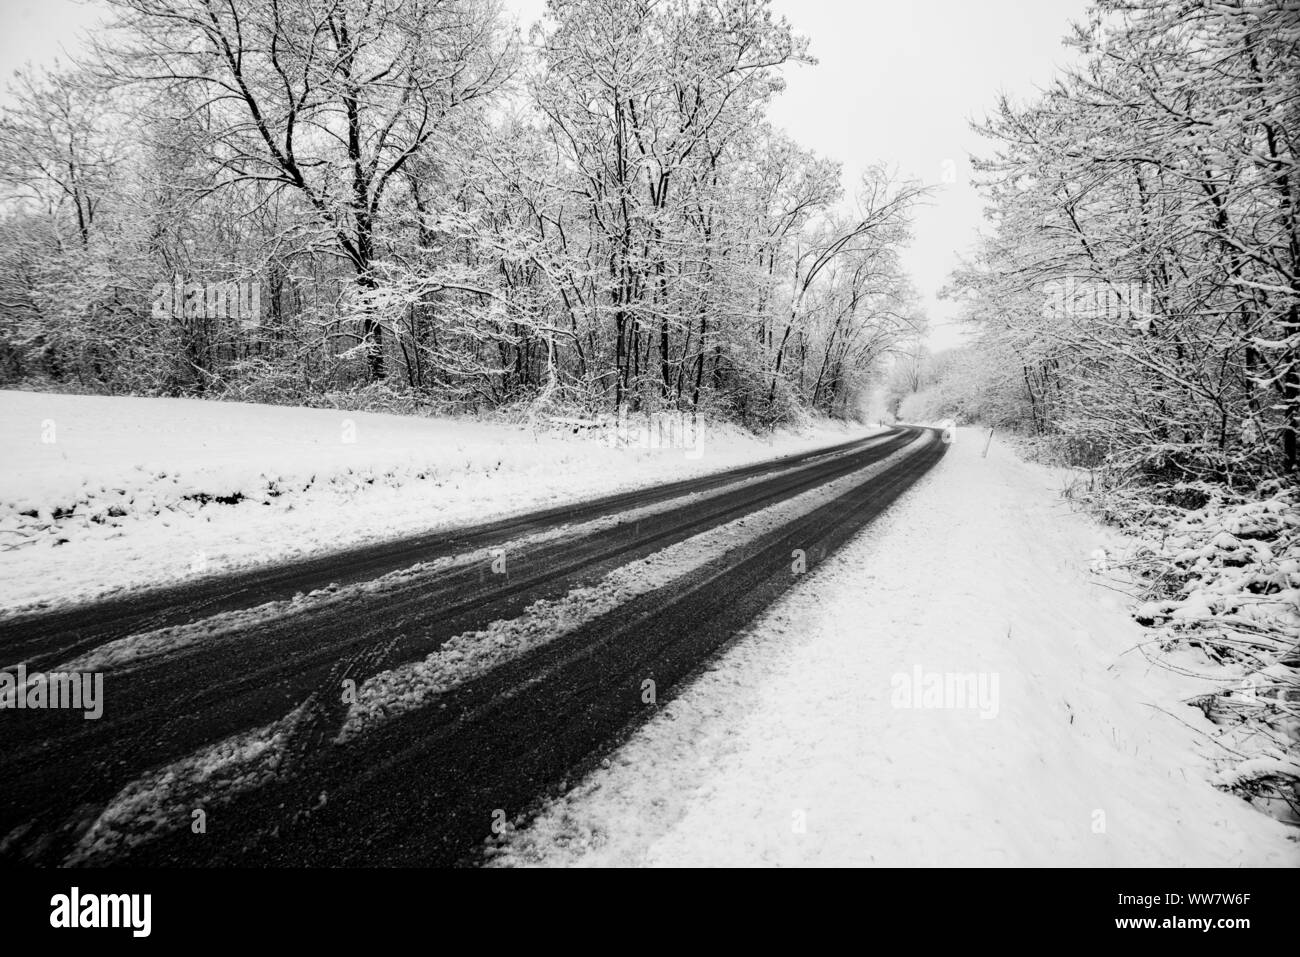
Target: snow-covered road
column 952, row 688
column 897, row 671
column 423, row 702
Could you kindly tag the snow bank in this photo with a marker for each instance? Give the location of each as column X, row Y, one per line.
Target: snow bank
column 1221, row 585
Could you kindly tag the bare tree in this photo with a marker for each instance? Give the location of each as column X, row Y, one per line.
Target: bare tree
column 328, row 98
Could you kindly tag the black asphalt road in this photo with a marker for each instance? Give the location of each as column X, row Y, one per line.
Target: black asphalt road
column 425, row 788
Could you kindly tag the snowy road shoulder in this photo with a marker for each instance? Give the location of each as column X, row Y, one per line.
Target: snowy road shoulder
column 1005, row 721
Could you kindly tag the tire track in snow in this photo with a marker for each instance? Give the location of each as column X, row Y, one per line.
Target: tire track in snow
column 160, row 711
column 429, row 786
column 164, row 799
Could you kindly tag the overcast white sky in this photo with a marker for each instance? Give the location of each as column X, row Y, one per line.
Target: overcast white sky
column 897, row 82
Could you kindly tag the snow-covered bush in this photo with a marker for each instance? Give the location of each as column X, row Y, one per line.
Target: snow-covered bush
column 1224, row 579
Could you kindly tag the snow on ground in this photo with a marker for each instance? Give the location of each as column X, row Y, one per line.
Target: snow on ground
column 952, row 688
column 165, row 799
column 105, row 493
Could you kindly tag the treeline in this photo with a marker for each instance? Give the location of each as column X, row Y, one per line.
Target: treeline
column 1139, row 290
column 433, row 210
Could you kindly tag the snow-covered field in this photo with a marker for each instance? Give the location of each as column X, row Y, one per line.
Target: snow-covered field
column 106, row 493
column 953, row 688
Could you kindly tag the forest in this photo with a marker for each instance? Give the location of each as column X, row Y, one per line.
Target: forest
column 1134, row 302
column 434, row 212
